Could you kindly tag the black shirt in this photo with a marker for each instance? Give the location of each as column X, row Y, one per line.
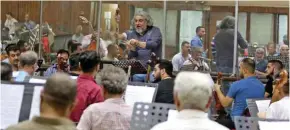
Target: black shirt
column 165, row 91
column 269, row 86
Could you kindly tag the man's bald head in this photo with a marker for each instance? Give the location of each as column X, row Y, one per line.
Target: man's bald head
column 284, row 50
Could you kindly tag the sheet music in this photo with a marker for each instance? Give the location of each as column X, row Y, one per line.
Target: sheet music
column 33, row 80
column 35, row 104
column 172, row 114
column 11, row 100
column 139, row 94
column 15, row 74
column 74, row 77
column 263, row 105
column 267, row 125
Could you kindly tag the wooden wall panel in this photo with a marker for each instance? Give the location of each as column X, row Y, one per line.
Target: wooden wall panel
column 31, row 7
column 8, row 6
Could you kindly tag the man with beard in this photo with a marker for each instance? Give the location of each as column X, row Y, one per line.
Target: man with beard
column 261, row 63
column 246, row 88
column 143, row 40
column 61, row 65
column 13, row 53
column 163, row 75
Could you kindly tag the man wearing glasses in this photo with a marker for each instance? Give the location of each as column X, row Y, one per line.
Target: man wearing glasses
column 61, row 65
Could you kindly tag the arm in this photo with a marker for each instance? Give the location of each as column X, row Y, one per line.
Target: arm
column 154, row 41
column 241, row 41
column 225, row 100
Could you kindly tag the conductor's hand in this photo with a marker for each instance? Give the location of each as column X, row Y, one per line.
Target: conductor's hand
column 217, row 87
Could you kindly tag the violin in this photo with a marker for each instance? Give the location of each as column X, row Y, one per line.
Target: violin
column 279, row 83
column 218, row 104
column 93, row 44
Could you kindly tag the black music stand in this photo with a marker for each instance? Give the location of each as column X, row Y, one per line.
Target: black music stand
column 136, row 66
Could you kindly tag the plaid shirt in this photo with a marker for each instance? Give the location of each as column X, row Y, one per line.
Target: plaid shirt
column 112, row 114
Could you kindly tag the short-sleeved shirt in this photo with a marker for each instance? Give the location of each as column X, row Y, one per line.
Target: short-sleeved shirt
column 165, row 91
column 261, row 66
column 21, row 76
column 178, row 60
column 196, row 42
column 88, row 92
column 241, row 90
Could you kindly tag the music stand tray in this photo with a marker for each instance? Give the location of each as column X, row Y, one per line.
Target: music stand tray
column 136, row 66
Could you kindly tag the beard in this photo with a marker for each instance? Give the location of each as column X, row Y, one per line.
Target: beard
column 242, row 75
column 140, row 30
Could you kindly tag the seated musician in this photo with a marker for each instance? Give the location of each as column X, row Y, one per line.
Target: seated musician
column 261, row 63
column 271, row 49
column 13, row 52
column 6, row 72
column 113, row 113
column 27, row 65
column 281, row 108
column 74, row 66
column 163, row 73
column 74, row 47
column 248, row 87
column 56, row 103
column 180, row 58
column 270, row 76
column 192, row 98
column 143, row 40
column 113, row 52
column 196, row 62
column 284, row 51
column 61, row 65
column 23, row 46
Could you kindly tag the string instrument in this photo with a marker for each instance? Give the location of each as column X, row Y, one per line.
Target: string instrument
column 218, row 104
column 151, row 63
column 93, row 45
column 282, row 80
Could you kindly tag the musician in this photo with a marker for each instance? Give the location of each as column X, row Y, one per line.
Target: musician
column 246, row 88
column 197, row 40
column 271, row 49
column 113, row 52
column 270, row 76
column 163, row 75
column 10, row 23
column 261, row 63
column 6, row 72
column 224, row 41
column 27, row 65
column 78, row 36
column 13, row 52
column 23, row 46
column 74, row 47
column 284, row 50
column 75, row 69
column 61, row 65
column 144, row 38
column 29, row 24
column 57, row 99
column 196, row 62
column 180, row 58
column 279, row 109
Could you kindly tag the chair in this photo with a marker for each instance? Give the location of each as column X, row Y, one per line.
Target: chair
column 147, row 115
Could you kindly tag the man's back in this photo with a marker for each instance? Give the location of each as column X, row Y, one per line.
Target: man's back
column 42, row 123
column 190, row 120
column 165, row 91
column 244, row 89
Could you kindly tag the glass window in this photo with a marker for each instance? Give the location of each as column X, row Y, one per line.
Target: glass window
column 283, row 20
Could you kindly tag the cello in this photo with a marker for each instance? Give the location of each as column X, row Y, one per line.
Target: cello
column 218, row 106
column 278, row 85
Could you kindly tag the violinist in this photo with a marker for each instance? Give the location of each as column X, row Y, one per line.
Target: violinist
column 248, row 87
column 113, row 52
column 196, row 62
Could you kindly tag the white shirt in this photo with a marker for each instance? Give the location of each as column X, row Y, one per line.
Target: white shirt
column 10, row 23
column 102, row 48
column 178, row 60
column 279, row 109
column 204, row 64
column 190, row 120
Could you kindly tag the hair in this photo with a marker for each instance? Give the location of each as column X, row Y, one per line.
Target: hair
column 286, row 88
column 6, row 71
column 9, row 13
column 73, row 46
column 11, row 47
column 109, row 36
column 184, row 42
column 144, row 14
column 260, row 50
column 195, row 92
column 28, row 58
column 196, row 49
column 167, row 65
column 271, row 43
column 74, row 61
column 283, row 46
column 122, row 46
column 198, row 28
column 21, row 43
column 61, row 51
column 113, row 79
column 228, row 23
column 249, row 64
column 110, row 46
column 60, row 90
column 277, row 63
column 89, row 60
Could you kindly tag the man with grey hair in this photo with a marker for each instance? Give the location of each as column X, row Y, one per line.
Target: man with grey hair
column 27, row 65
column 261, row 62
column 284, row 50
column 195, row 62
column 113, row 113
column 144, row 40
column 192, row 99
column 56, row 103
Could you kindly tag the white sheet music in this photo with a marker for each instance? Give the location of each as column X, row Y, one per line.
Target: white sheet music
column 172, row 114
column 15, row 74
column 263, row 105
column 33, row 80
column 139, row 94
column 35, row 104
column 270, row 125
column 74, row 77
column 11, row 100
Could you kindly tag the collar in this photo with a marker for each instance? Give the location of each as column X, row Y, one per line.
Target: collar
column 86, row 76
column 191, row 113
column 52, row 121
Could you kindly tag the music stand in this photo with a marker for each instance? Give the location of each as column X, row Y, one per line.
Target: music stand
column 136, row 66
column 252, row 106
column 250, row 123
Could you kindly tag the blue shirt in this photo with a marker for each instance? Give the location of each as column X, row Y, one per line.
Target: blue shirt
column 21, row 76
column 261, row 66
column 196, row 42
column 244, row 89
column 51, row 70
column 153, row 39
